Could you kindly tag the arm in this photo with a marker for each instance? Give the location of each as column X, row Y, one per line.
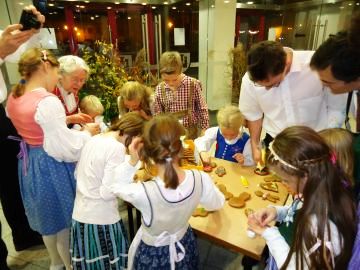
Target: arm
column 60, row 142
column 211, row 197
column 204, row 143
column 255, row 133
column 201, row 107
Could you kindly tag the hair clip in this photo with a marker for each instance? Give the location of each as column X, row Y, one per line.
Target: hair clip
column 22, row 81
column 333, row 158
column 168, row 159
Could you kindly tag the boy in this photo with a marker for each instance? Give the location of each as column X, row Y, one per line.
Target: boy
column 181, row 96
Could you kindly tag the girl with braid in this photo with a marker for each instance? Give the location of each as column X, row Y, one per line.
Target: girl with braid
column 165, row 239
column 318, row 230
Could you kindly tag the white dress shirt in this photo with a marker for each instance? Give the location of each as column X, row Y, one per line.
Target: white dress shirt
column 300, row 99
column 95, row 169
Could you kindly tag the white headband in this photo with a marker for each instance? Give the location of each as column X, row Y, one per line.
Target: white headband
column 276, row 157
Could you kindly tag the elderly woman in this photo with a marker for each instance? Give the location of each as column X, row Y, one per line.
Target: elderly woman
column 73, row 75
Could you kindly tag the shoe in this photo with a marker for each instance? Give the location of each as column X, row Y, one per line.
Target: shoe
column 28, row 243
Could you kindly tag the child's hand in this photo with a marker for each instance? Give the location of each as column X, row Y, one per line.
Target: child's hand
column 93, row 128
column 239, row 158
column 205, row 157
column 134, row 149
column 265, row 216
column 255, row 226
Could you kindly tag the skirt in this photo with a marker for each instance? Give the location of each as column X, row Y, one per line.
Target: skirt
column 150, row 257
column 48, row 191
column 98, row 247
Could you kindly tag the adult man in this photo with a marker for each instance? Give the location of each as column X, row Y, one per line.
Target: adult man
column 12, row 43
column 280, row 90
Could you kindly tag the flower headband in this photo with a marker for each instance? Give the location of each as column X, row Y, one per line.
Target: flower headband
column 276, row 157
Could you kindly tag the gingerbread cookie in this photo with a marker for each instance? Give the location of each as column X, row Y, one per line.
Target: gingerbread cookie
column 207, row 168
column 248, row 212
column 220, row 171
column 262, row 172
column 239, row 202
column 200, row 212
column 267, row 196
column 213, row 164
column 270, row 186
column 271, row 178
column 227, row 194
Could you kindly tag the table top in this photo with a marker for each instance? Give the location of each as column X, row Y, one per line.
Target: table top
column 227, row 227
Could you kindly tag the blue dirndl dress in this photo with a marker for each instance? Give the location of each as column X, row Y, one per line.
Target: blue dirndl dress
column 48, row 191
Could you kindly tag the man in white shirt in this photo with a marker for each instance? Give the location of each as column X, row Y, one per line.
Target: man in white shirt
column 12, row 43
column 280, row 90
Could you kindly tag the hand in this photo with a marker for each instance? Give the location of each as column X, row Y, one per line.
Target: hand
column 205, row 157
column 93, row 128
column 134, row 149
column 255, row 226
column 79, row 118
column 256, row 153
column 12, row 38
column 144, row 115
column 239, row 158
column 39, row 16
column 265, row 216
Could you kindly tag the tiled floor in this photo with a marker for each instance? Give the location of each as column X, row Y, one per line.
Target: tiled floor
column 212, row 257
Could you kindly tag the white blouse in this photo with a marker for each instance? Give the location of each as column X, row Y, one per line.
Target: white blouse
column 125, row 188
column 60, row 142
column 94, row 171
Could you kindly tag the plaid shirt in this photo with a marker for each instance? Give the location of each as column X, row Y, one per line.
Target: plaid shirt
column 178, row 101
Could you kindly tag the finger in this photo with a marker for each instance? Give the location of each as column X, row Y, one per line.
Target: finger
column 11, row 28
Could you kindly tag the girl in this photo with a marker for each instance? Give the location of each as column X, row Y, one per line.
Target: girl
column 232, row 143
column 49, row 150
column 341, row 142
column 135, row 96
column 166, row 202
column 324, row 227
column 96, row 219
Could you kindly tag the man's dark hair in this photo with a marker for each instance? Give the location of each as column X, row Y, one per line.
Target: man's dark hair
column 342, row 57
column 341, row 52
column 266, row 58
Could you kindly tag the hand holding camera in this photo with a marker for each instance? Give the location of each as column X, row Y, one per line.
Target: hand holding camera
column 31, row 19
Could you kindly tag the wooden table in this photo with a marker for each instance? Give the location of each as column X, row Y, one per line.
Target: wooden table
column 227, row 227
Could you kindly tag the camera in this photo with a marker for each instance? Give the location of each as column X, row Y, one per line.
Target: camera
column 29, row 20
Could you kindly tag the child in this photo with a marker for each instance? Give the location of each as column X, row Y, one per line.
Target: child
column 49, row 152
column 341, row 142
column 96, row 210
column 135, row 96
column 167, row 201
column 324, row 228
column 181, row 96
column 232, row 143
column 91, row 105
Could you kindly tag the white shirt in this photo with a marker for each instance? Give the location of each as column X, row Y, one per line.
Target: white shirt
column 95, row 169
column 60, row 142
column 34, row 41
column 125, row 188
column 204, row 143
column 279, row 248
column 300, row 99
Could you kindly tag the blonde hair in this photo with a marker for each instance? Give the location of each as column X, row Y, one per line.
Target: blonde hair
column 170, row 63
column 30, row 62
column 230, row 117
column 70, row 63
column 341, row 142
column 91, row 105
column 135, row 91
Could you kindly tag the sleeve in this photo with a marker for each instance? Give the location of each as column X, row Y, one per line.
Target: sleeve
column 204, row 143
column 281, row 211
column 248, row 103
column 336, row 108
column 34, row 41
column 248, row 158
column 157, row 108
column 60, row 142
column 201, row 106
column 211, row 197
column 278, row 247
